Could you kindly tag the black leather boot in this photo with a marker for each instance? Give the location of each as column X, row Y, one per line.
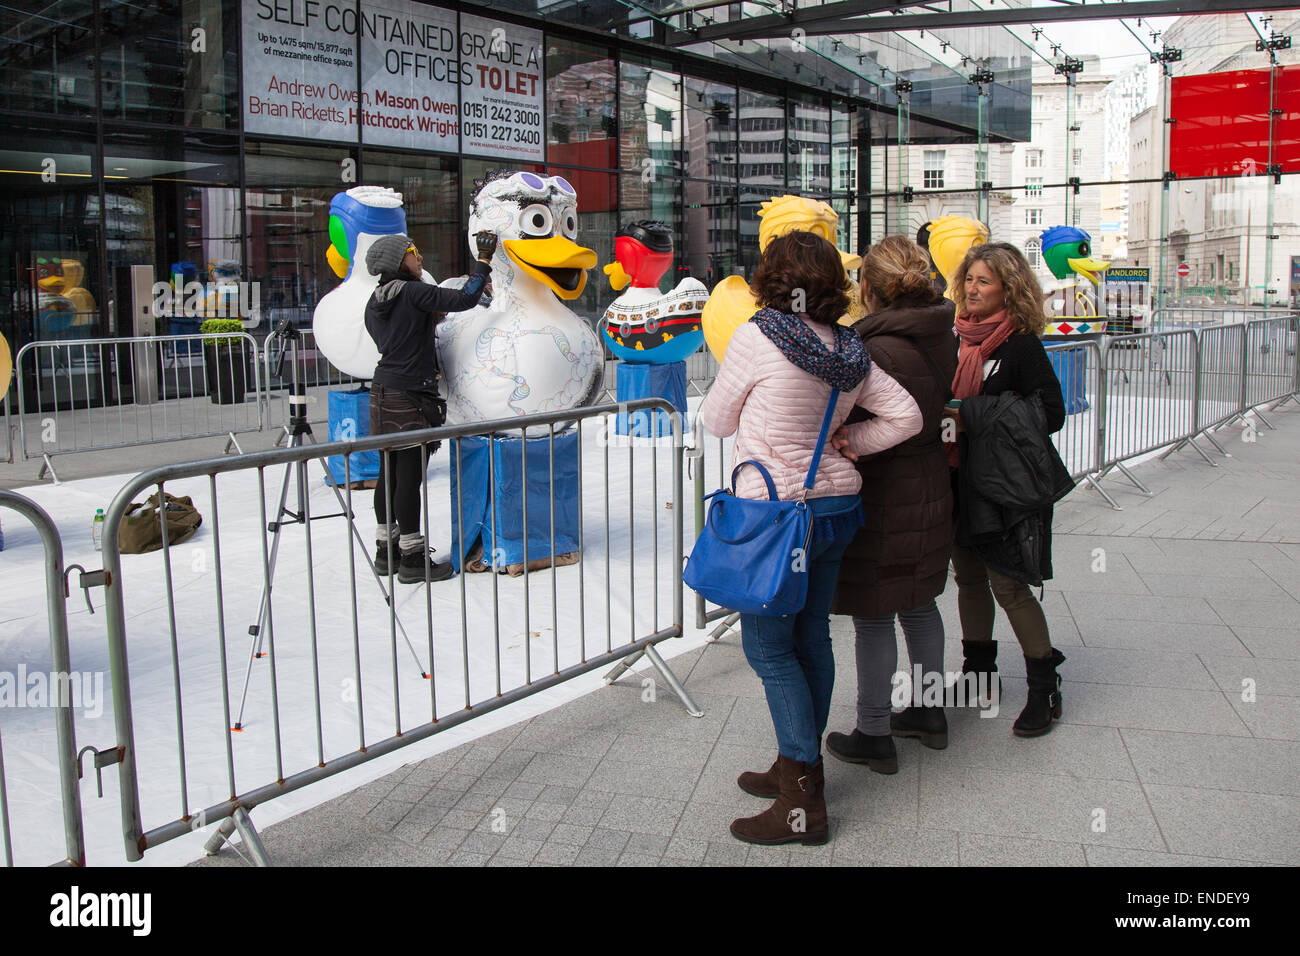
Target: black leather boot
column 981, row 659
column 1044, row 703
column 877, row 752
column 927, row 723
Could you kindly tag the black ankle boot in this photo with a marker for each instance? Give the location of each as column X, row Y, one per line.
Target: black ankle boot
column 981, row 659
column 877, row 752
column 1044, row 703
column 927, row 723
column 410, row 570
column 381, row 558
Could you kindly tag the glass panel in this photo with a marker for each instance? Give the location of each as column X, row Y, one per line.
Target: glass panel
column 654, row 199
column 762, row 146
column 50, row 273
column 173, row 203
column 709, row 137
column 651, row 122
column 712, row 245
column 288, row 196
column 580, row 104
column 47, row 59
column 430, row 197
column 171, row 61
column 810, row 149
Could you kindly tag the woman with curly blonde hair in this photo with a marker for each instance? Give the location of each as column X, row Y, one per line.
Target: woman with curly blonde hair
column 1000, row 320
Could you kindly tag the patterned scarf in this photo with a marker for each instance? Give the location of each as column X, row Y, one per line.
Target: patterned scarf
column 843, row 369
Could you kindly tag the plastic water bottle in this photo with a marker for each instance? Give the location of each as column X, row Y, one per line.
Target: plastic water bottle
column 97, row 529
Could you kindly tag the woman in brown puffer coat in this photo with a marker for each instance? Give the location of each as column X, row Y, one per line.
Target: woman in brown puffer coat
column 897, row 564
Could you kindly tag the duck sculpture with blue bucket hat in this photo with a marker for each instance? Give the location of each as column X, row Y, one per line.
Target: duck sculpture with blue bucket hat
column 1076, row 305
column 358, row 218
column 526, row 352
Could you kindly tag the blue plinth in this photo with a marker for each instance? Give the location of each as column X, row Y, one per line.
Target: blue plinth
column 480, row 490
column 350, row 420
column 633, row 381
column 1071, row 371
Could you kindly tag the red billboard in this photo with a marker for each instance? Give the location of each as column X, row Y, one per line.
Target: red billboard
column 1221, row 124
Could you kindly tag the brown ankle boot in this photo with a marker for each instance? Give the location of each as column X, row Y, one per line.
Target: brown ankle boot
column 761, row 784
column 799, row 813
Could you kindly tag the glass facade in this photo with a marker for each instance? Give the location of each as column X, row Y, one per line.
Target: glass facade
column 150, row 135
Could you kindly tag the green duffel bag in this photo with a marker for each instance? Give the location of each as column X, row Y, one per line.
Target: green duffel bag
column 141, row 529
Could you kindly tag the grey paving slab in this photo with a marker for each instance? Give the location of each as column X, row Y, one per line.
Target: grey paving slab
column 1214, row 762
column 1248, row 588
column 1272, row 642
column 1271, row 717
column 1118, row 856
column 1256, row 612
column 875, row 843
column 1152, row 708
column 1267, row 677
column 1094, row 753
column 977, row 849
column 1159, row 636
column 1037, row 806
column 1138, row 668
column 1259, row 827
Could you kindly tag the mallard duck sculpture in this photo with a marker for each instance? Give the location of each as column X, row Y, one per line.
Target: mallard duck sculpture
column 732, row 304
column 947, row 239
column 1076, row 307
column 644, row 325
column 357, row 218
column 526, row 352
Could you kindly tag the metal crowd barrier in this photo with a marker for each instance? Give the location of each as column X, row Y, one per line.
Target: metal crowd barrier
column 315, row 371
column 1078, row 441
column 1271, row 366
column 701, row 370
column 60, row 697
column 1177, row 317
column 98, row 394
column 411, row 663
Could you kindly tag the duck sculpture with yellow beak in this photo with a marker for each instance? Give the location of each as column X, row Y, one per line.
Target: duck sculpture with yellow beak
column 526, row 351
column 731, row 304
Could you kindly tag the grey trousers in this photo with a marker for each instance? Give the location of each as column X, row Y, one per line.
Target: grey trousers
column 877, row 655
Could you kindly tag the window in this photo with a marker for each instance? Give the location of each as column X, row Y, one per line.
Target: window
column 1033, row 248
column 1033, row 217
column 1076, row 216
column 981, row 170
column 933, row 166
column 1034, row 186
column 1034, row 158
column 1076, row 158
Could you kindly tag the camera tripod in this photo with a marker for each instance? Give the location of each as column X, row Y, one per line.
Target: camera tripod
column 300, row 434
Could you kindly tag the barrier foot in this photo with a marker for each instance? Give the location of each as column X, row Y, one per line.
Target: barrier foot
column 232, row 442
column 1102, row 491
column 671, row 680
column 47, row 468
column 1285, row 398
column 242, row 823
column 1222, row 451
column 1129, row 475
column 1171, row 450
column 1210, row 461
column 623, row 666
column 1267, row 423
column 727, row 624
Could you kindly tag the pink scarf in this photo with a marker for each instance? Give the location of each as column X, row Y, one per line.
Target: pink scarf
column 979, row 340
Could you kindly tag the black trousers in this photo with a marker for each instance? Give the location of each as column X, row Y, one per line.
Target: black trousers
column 401, row 471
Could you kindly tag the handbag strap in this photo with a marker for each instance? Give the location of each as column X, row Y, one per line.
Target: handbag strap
column 821, row 440
column 767, row 478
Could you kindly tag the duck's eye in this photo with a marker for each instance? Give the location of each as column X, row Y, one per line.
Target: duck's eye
column 536, row 220
column 569, row 223
column 1084, row 249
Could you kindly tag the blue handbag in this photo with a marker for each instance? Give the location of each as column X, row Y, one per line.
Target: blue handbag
column 752, row 555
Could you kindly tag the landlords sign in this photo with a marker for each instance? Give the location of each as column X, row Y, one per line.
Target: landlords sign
column 425, row 82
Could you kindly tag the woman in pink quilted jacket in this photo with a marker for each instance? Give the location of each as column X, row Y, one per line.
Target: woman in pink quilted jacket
column 772, row 393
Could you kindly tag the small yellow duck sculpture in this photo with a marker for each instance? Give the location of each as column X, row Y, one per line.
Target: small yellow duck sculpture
column 732, row 304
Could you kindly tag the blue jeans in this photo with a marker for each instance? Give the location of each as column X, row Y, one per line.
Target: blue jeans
column 792, row 653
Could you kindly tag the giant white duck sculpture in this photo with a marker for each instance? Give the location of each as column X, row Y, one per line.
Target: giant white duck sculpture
column 525, row 352
column 357, row 218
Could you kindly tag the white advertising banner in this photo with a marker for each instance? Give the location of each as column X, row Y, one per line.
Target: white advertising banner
column 501, row 109
column 300, row 68
column 422, row 86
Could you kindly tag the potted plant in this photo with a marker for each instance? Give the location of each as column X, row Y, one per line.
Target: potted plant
column 225, row 361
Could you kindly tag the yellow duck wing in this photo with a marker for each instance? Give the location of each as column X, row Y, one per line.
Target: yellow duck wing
column 730, row 305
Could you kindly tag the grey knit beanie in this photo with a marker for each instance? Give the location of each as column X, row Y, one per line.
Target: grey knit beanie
column 387, row 253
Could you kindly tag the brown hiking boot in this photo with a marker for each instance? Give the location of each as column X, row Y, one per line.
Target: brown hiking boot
column 761, row 784
column 799, row 813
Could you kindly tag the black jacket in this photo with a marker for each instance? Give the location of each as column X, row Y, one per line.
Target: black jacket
column 1010, row 476
column 401, row 316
